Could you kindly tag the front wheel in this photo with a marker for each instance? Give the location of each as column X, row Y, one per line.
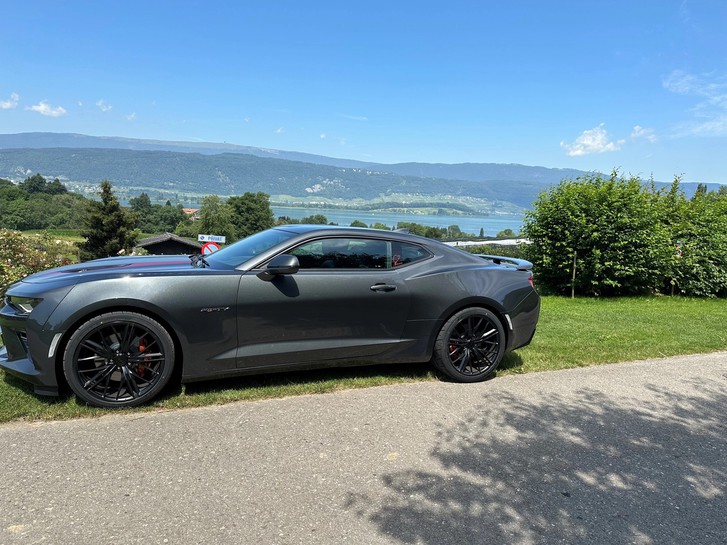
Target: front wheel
column 470, row 345
column 118, row 359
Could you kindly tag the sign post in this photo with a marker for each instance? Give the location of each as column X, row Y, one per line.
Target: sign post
column 210, row 248
column 211, row 238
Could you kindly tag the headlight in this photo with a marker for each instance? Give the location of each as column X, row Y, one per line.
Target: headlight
column 24, row 305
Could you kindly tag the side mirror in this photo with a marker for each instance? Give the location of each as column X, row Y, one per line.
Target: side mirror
column 280, row 264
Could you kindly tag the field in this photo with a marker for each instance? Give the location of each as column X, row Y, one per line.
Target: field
column 571, row 333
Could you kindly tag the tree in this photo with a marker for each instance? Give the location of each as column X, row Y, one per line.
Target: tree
column 141, row 204
column 381, row 226
column 215, row 218
column 167, row 217
column 609, row 229
column 251, row 213
column 698, row 241
column 154, row 218
column 315, row 219
column 506, row 233
column 358, row 223
column 453, row 231
column 38, row 184
column 108, row 228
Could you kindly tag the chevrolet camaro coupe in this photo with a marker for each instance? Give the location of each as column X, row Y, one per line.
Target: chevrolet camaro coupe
column 117, row 330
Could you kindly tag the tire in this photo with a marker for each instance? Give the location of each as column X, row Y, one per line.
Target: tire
column 118, row 359
column 470, row 345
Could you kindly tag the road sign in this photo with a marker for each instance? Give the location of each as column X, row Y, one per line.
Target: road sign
column 211, row 238
column 210, row 248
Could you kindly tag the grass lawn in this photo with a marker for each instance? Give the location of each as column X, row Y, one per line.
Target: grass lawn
column 571, row 333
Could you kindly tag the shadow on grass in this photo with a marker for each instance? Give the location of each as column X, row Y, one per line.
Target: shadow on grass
column 23, row 387
column 365, row 374
column 511, row 362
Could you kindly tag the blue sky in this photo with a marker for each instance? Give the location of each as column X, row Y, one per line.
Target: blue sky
column 639, row 85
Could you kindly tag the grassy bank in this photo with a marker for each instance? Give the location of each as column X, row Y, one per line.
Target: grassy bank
column 571, row 333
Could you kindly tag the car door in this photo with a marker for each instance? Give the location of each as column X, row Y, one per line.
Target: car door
column 346, row 301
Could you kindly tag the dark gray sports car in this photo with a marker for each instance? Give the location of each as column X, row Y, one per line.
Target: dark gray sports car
column 292, row 297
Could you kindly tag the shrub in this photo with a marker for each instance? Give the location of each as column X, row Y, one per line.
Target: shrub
column 624, row 237
column 611, row 229
column 22, row 255
column 515, row 250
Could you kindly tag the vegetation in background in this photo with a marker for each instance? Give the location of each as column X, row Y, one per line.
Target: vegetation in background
column 515, row 250
column 108, row 228
column 36, row 203
column 236, row 218
column 251, row 213
column 156, row 218
column 698, row 235
column 618, row 236
column 22, row 255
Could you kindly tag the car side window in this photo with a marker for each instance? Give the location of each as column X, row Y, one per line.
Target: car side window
column 344, row 253
column 404, row 253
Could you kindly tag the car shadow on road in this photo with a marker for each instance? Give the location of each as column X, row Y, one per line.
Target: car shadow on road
column 585, row 467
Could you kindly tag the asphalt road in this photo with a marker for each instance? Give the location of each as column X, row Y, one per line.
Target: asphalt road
column 628, row 453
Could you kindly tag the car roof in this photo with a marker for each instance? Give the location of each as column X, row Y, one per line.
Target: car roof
column 340, row 230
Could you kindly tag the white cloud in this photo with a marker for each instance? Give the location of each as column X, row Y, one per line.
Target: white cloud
column 710, row 110
column 355, row 117
column 642, row 132
column 131, row 116
column 280, row 130
column 103, row 105
column 591, row 141
column 323, row 136
column 43, row 108
column 11, row 103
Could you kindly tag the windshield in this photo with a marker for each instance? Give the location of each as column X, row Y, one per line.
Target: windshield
column 247, row 248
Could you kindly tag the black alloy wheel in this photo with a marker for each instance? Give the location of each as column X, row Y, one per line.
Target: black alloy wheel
column 119, row 359
column 470, row 345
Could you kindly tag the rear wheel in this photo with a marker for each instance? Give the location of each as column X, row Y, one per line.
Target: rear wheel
column 470, row 345
column 118, row 359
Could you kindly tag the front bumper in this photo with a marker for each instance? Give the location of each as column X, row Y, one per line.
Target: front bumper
column 16, row 357
column 26, row 370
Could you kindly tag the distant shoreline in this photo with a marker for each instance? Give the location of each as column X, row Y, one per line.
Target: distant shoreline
column 491, row 225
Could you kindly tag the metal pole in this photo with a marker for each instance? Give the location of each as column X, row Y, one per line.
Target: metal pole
column 573, row 280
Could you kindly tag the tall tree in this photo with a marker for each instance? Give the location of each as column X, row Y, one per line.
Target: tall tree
column 108, row 228
column 38, row 184
column 141, row 204
column 215, row 218
column 251, row 213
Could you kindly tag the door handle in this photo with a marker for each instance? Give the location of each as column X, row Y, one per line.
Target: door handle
column 383, row 287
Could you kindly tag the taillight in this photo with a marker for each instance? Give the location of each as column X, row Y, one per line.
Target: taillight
column 532, row 284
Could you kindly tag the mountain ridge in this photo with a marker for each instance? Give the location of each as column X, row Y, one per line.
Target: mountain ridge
column 178, row 170
column 458, row 171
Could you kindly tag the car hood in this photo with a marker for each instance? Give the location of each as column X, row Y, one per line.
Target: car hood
column 114, row 266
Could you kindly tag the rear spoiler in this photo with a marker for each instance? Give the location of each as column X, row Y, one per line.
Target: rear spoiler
column 520, row 264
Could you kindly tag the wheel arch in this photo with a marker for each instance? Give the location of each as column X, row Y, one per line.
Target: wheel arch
column 98, row 311
column 475, row 302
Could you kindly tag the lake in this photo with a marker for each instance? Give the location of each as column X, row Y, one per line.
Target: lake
column 468, row 224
